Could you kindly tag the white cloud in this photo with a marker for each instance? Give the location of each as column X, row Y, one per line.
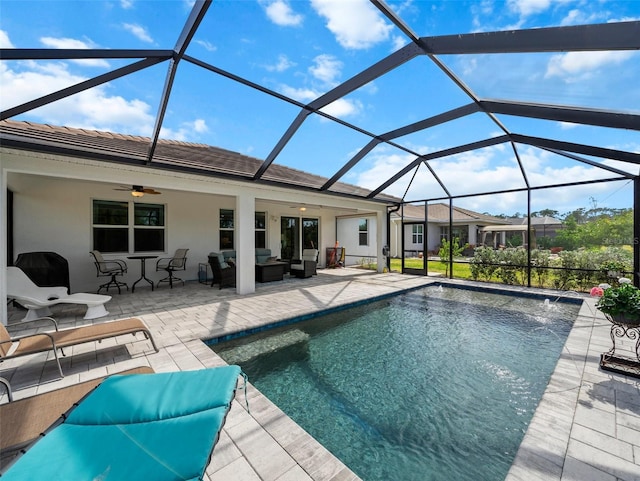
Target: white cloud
column 283, row 64
column 305, row 95
column 207, row 45
column 406, row 6
column 579, row 64
column 91, row 109
column 525, row 8
column 4, row 40
column 280, row 13
column 356, row 24
column 579, row 17
column 568, row 125
column 138, row 31
column 126, row 4
column 469, row 65
column 399, row 42
column 200, row 126
column 342, row 108
column 185, row 132
column 72, row 43
column 384, row 164
column 485, row 8
column 326, row 68
column 492, row 168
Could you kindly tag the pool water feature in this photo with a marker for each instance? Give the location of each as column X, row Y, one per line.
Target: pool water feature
column 435, row 384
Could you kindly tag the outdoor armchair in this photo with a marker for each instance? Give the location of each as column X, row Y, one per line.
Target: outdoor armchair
column 305, row 267
column 171, row 264
column 224, row 273
column 11, row 347
column 109, row 268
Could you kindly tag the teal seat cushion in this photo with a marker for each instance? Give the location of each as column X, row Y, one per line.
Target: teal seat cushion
column 171, row 449
column 171, row 394
column 262, row 255
column 148, row 426
column 221, row 259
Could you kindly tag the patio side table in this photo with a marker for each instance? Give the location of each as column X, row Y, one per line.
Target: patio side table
column 203, row 273
column 142, row 260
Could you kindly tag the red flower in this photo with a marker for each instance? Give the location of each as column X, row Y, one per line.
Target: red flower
column 597, row 291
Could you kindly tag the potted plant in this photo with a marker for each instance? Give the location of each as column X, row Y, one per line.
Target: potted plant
column 621, row 305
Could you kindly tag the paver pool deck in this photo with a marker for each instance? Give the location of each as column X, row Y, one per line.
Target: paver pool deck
column 587, row 426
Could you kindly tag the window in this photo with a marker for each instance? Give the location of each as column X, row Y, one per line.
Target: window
column 114, row 231
column 261, row 230
column 110, row 226
column 460, row 233
column 148, row 227
column 226, row 229
column 309, row 233
column 416, row 233
column 363, row 232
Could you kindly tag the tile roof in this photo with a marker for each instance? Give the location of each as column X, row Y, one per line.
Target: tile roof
column 439, row 212
column 170, row 154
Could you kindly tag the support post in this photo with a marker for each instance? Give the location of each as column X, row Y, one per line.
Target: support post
column 245, row 243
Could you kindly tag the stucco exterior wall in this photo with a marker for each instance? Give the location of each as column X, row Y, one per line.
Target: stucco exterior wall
column 348, row 237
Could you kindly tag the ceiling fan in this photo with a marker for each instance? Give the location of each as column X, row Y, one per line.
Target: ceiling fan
column 138, row 190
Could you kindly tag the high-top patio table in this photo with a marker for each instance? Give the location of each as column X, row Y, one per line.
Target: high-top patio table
column 142, row 260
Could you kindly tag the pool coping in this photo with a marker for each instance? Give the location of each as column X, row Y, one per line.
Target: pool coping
column 587, row 424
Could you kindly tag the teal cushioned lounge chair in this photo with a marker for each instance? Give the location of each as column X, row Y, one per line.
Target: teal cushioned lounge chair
column 142, row 426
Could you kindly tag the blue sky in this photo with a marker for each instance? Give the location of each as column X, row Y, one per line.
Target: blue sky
column 302, row 49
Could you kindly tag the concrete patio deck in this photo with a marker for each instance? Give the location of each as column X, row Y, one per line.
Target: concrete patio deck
column 587, row 426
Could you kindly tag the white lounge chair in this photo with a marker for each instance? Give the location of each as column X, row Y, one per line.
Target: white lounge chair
column 38, row 299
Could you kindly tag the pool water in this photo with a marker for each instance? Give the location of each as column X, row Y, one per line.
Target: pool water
column 436, row 384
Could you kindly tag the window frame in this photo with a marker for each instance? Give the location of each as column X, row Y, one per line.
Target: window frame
column 229, row 232
column 129, row 228
column 260, row 233
column 417, row 237
column 363, row 234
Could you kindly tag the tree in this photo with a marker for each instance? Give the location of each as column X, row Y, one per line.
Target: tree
column 546, row 213
column 445, row 249
column 613, row 228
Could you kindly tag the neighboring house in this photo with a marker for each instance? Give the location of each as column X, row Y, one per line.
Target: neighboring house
column 542, row 226
column 70, row 191
column 432, row 227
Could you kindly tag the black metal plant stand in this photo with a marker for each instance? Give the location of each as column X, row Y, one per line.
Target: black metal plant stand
column 624, row 364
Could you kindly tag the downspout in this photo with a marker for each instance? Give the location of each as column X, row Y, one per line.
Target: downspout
column 389, row 212
column 402, row 238
column 425, row 239
column 450, row 238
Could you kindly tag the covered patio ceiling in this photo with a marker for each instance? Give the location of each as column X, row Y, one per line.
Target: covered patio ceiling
column 412, row 167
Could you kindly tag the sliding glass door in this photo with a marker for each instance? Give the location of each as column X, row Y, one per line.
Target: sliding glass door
column 296, row 234
column 289, row 238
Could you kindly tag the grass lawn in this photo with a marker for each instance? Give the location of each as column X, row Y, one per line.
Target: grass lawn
column 460, row 270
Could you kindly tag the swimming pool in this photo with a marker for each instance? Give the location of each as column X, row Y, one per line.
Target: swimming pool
column 435, row 384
